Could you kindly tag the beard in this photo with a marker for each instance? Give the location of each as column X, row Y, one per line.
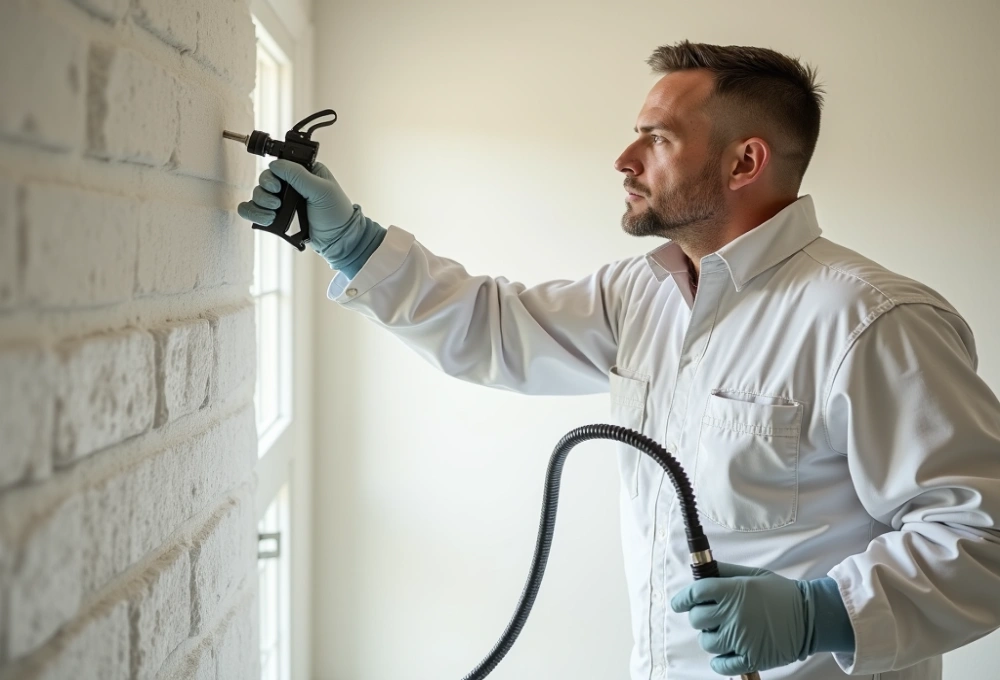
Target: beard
column 681, row 213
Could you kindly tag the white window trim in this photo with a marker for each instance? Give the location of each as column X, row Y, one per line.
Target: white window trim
column 288, row 24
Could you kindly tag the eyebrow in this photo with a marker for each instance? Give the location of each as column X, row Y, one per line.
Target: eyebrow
column 662, row 127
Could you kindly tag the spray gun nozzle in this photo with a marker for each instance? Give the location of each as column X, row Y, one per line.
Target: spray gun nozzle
column 257, row 142
column 236, row 137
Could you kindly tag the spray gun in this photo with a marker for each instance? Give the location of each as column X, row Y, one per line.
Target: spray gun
column 298, row 147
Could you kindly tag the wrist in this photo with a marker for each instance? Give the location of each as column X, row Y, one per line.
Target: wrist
column 342, row 210
column 361, row 238
column 829, row 627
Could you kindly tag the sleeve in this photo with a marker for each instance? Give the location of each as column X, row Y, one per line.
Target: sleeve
column 921, row 432
column 556, row 338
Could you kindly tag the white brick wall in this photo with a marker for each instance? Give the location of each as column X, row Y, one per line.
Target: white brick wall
column 160, row 612
column 86, row 236
column 127, row 342
column 96, row 645
column 38, row 49
column 106, row 392
column 8, row 244
column 27, row 408
column 220, row 559
column 183, row 366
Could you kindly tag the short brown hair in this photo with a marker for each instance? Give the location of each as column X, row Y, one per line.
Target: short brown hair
column 757, row 92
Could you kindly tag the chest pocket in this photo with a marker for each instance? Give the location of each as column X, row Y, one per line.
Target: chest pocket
column 628, row 409
column 746, row 473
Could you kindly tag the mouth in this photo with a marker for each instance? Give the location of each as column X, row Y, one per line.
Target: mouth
column 632, row 195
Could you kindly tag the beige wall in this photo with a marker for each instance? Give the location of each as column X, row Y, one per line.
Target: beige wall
column 489, row 130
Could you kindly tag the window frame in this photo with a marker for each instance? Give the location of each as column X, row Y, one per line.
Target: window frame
column 286, row 465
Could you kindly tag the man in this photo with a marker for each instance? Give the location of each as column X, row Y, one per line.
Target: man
column 843, row 451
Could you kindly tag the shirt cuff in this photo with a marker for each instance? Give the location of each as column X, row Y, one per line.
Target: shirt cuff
column 386, row 259
column 874, row 647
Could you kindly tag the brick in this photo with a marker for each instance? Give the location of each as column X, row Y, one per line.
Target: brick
column 175, row 23
column 238, row 640
column 227, row 42
column 201, row 151
column 169, row 247
column 131, row 107
column 94, row 646
column 182, row 247
column 27, row 407
column 170, row 488
column 194, row 664
column 41, row 72
column 45, row 588
column 109, row 10
column 107, row 392
column 222, row 556
column 235, row 350
column 213, row 463
column 6, row 569
column 88, row 238
column 183, row 366
column 150, row 508
column 10, row 246
column 132, row 512
column 107, row 507
column 228, row 252
column 159, row 613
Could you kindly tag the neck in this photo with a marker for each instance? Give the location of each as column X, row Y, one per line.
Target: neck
column 706, row 241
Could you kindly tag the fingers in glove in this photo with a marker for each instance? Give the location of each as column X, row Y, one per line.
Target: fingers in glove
column 265, row 199
column 254, row 213
column 731, row 664
column 705, row 591
column 321, row 170
column 269, row 181
column 714, row 643
column 727, row 570
column 706, row 617
column 303, row 181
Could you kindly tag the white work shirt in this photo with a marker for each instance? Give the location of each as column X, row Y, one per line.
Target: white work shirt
column 827, row 411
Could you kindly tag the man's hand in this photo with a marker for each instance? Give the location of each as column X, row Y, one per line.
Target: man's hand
column 337, row 229
column 753, row 619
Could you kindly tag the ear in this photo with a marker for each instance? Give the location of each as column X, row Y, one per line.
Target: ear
column 750, row 158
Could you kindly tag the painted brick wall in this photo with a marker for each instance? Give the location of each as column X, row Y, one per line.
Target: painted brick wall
column 127, row 436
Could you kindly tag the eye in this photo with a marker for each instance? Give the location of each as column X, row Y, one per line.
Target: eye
column 657, row 139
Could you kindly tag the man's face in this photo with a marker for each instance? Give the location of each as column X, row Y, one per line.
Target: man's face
column 673, row 177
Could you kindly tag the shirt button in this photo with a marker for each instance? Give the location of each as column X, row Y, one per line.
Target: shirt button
column 658, row 669
column 656, row 596
column 662, row 533
column 351, row 292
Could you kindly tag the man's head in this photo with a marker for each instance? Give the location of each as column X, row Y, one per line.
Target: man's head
column 724, row 138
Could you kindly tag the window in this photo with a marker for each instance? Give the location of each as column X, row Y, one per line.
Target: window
column 273, row 591
column 282, row 279
column 272, row 281
column 277, row 431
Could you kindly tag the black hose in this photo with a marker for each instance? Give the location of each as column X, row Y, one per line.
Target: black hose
column 697, row 542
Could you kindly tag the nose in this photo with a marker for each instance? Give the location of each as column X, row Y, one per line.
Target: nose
column 628, row 162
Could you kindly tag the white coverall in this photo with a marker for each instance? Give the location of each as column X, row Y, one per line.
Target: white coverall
column 827, row 410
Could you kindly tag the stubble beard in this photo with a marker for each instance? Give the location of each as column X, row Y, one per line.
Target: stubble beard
column 687, row 214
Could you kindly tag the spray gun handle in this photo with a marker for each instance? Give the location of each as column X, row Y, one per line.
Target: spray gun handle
column 292, row 205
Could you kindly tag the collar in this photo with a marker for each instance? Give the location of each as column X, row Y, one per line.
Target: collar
column 752, row 253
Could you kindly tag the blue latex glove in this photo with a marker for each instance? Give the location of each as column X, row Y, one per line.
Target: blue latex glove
column 754, row 619
column 337, row 229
